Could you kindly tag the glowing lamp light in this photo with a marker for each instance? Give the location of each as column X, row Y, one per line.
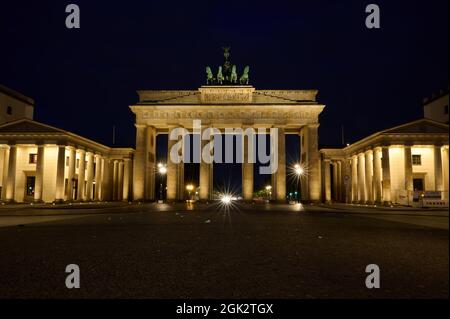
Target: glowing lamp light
column 268, row 188
column 190, row 187
column 226, row 199
column 298, row 169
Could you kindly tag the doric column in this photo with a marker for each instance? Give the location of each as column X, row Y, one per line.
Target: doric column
column 445, row 168
column 335, row 181
column 377, row 175
column 81, row 175
column 60, row 168
column 98, row 174
column 408, row 169
column 150, row 164
column 281, row 171
column 5, row 165
column 368, row 175
column 180, row 175
column 139, row 163
column 71, row 173
column 310, row 155
column 327, row 180
column 205, row 171
column 347, row 172
column 386, row 168
column 89, row 176
column 11, row 182
column 340, row 177
column 438, row 169
column 361, row 179
column 120, row 181
column 172, row 170
column 126, row 179
column 354, row 179
column 247, row 166
column 115, row 179
column 38, row 185
column 106, row 184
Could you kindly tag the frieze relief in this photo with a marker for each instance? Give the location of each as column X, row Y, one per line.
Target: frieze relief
column 174, row 115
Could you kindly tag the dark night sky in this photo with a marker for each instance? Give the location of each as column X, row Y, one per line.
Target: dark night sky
column 83, row 80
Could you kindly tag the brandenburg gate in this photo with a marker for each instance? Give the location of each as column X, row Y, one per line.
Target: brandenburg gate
column 220, row 107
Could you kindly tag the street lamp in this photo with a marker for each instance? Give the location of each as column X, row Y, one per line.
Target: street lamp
column 189, row 188
column 162, row 170
column 269, row 191
column 299, row 171
column 226, row 199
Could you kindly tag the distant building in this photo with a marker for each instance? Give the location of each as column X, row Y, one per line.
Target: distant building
column 14, row 105
column 436, row 107
column 392, row 166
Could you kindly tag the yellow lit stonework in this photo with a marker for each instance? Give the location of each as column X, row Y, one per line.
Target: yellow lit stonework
column 41, row 163
column 397, row 163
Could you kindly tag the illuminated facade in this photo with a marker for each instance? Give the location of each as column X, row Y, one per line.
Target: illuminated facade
column 390, row 166
column 41, row 163
column 220, row 107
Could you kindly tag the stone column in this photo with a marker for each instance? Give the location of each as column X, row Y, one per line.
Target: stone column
column 310, row 154
column 445, row 167
column 172, row 171
column 81, row 176
column 354, row 179
column 386, row 168
column 106, row 184
column 11, row 182
column 89, row 176
column 5, row 172
column 368, row 176
column 247, row 167
column 98, row 177
column 71, row 173
column 335, row 181
column 139, row 163
column 438, row 169
column 340, row 190
column 181, row 189
column 205, row 170
column 115, row 179
column 60, row 168
column 38, row 185
column 327, row 180
column 119, row 195
column 361, row 179
column 150, row 165
column 408, row 170
column 377, row 175
column 281, row 172
column 126, row 180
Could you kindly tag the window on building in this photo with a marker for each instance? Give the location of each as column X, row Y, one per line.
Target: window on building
column 78, row 163
column 9, row 110
column 32, row 159
column 67, row 160
column 417, row 159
